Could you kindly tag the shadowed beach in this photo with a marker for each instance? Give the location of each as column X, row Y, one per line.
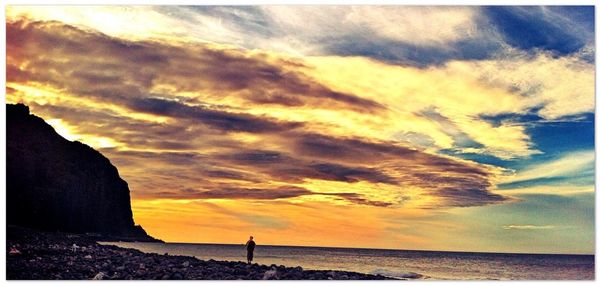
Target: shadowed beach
column 37, row 255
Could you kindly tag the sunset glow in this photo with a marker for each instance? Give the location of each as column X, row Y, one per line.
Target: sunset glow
column 328, row 126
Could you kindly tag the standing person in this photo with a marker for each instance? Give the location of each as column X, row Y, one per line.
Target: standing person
column 250, row 244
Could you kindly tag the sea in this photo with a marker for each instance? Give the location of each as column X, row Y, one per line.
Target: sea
column 406, row 264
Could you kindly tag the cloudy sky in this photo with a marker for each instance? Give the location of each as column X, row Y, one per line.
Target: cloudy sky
column 432, row 127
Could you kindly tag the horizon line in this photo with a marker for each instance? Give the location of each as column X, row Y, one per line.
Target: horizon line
column 376, row 248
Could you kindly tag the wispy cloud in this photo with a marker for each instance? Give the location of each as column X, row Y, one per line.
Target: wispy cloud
column 556, row 188
column 569, row 165
column 413, row 35
column 528, row 227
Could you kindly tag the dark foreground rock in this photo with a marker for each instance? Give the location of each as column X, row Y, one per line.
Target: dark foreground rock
column 34, row 255
column 54, row 184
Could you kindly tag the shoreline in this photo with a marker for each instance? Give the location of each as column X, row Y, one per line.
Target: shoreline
column 108, row 241
column 39, row 255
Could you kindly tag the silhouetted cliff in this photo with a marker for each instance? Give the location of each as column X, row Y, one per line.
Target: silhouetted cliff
column 58, row 185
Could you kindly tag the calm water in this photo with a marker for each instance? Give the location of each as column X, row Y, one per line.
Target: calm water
column 395, row 263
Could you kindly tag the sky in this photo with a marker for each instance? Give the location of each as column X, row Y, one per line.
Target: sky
column 458, row 128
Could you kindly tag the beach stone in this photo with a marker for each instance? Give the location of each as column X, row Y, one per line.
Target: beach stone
column 411, row 275
column 40, row 262
column 99, row 276
column 14, row 251
column 270, row 274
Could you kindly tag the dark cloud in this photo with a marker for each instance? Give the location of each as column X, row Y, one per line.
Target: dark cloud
column 410, row 54
column 220, row 120
column 454, row 197
column 357, row 150
column 336, row 172
column 240, row 193
column 198, row 150
column 113, row 70
column 322, row 146
column 135, row 133
column 231, row 175
column 279, row 165
column 257, row 157
column 267, row 194
column 358, row 199
column 459, row 183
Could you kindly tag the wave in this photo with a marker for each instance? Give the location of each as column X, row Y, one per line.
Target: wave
column 397, row 274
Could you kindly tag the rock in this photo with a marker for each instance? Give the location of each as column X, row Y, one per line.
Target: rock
column 177, row 276
column 100, row 276
column 38, row 262
column 411, row 275
column 14, row 251
column 270, row 274
column 59, row 185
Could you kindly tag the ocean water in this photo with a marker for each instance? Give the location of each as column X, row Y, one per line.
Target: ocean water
column 434, row 265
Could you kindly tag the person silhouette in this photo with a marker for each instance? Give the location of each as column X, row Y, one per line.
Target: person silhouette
column 250, row 244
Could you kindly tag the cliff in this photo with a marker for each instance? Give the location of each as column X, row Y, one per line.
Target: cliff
column 57, row 185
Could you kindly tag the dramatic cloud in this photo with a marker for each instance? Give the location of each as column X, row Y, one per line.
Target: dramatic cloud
column 260, row 194
column 444, row 103
column 97, row 64
column 197, row 113
column 214, row 118
column 385, row 124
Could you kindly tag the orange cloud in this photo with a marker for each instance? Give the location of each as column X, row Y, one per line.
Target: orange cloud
column 208, row 97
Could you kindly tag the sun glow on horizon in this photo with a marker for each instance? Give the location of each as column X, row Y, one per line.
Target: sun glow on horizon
column 325, row 133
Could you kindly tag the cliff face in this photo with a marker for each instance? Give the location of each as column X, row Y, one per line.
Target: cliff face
column 58, row 185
